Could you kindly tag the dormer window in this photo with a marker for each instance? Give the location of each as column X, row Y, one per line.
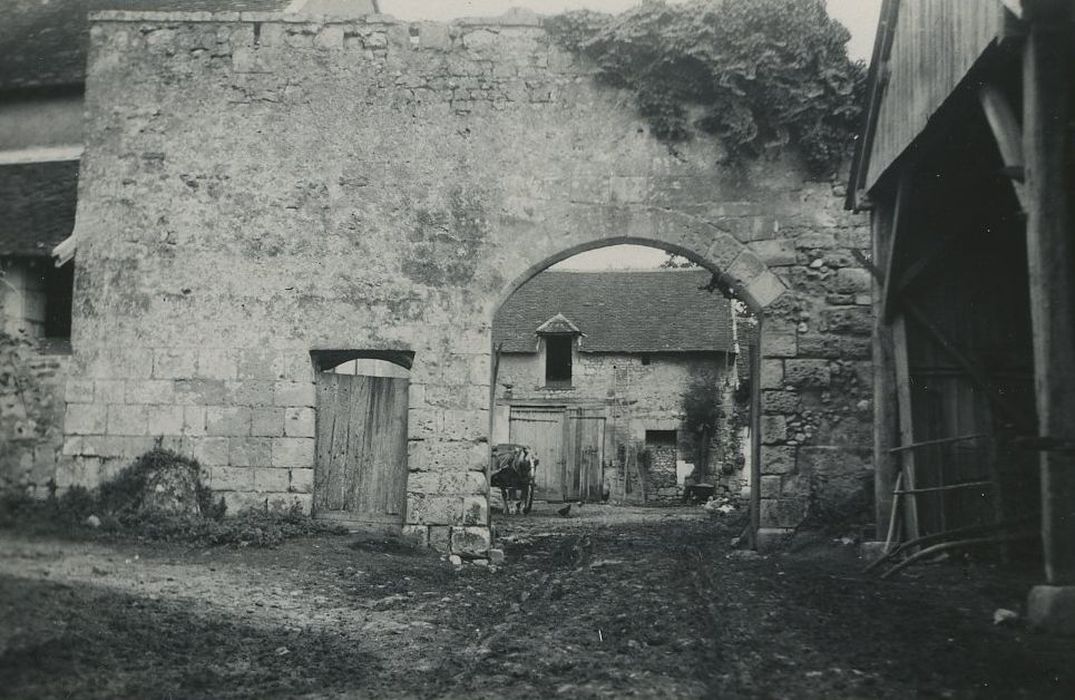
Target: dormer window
column 559, row 335
column 558, row 359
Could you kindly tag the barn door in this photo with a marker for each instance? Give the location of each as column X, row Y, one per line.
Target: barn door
column 360, row 476
column 542, row 429
column 585, row 453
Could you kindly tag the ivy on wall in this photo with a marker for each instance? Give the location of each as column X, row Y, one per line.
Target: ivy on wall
column 757, row 74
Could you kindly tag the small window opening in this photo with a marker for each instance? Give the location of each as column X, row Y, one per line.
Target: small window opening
column 645, row 359
column 59, row 295
column 661, row 437
column 558, row 359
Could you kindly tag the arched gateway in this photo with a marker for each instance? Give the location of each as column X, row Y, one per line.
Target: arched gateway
column 258, row 188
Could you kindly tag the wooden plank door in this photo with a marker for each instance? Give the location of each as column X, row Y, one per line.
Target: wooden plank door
column 360, row 475
column 585, row 456
column 542, row 429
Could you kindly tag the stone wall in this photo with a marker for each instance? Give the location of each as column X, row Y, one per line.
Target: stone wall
column 258, row 186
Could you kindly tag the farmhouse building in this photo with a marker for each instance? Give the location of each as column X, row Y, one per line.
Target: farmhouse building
column 592, row 371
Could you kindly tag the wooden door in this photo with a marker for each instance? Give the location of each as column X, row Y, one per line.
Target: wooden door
column 360, row 476
column 585, row 441
column 542, row 429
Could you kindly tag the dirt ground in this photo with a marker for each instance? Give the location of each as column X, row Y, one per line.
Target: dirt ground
column 610, row 602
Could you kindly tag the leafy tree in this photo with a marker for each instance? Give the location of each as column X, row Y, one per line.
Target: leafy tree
column 761, row 73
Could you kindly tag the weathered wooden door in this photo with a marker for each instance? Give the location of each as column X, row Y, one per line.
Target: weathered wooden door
column 542, row 429
column 360, row 476
column 585, row 441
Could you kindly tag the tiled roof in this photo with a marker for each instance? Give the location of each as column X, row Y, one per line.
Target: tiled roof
column 622, row 311
column 37, row 206
column 43, row 42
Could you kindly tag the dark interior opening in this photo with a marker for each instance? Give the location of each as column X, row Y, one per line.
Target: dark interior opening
column 660, row 437
column 59, row 293
column 558, row 359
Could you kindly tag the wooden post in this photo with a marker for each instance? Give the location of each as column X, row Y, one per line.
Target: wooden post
column 906, row 419
column 1047, row 79
column 885, row 417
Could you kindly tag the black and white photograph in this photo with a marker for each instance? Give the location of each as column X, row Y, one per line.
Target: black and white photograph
column 476, row 349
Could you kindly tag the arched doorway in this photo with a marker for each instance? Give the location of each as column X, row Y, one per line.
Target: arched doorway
column 608, row 412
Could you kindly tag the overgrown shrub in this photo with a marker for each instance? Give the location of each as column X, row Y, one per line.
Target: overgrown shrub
column 123, row 496
column 762, row 73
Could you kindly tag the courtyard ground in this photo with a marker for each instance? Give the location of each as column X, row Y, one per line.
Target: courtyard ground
column 610, row 602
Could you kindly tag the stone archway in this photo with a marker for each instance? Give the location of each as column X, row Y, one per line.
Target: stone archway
column 734, row 267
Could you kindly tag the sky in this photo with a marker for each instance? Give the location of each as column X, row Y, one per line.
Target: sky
column 859, row 16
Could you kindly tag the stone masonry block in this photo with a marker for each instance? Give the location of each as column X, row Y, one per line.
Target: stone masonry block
column 465, row 425
column 770, row 486
column 145, row 391
column 292, row 452
column 777, row 460
column 193, row 420
column 227, row 420
column 267, row 422
column 215, row 363
column 448, row 483
column 233, row 479
column 778, row 252
column 834, row 347
column 447, row 455
column 807, row 373
column 259, row 363
column 772, row 374
column 774, row 429
column 164, row 420
column 301, row 480
column 249, row 451
column 211, row 451
column 433, row 510
column 248, row 393
column 174, row 363
column 782, row 512
column 127, row 420
column 294, row 394
column 779, row 402
column 746, row 267
column 765, row 287
column 475, row 510
column 109, row 391
column 86, row 419
column 269, row 479
column 440, row 537
column 299, row 422
column 79, row 391
column 470, row 541
column 204, row 392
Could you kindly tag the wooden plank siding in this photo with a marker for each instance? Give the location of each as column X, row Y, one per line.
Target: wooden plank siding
column 936, row 44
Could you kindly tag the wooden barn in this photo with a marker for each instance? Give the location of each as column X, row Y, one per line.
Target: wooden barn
column 965, row 163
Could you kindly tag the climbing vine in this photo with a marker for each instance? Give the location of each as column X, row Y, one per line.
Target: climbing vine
column 757, row 74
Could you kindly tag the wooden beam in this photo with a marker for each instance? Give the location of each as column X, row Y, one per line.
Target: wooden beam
column 924, row 262
column 906, row 420
column 1047, row 95
column 898, row 229
column 885, row 414
column 1006, row 131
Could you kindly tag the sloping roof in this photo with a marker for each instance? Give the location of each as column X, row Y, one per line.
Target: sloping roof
column 37, row 206
column 43, row 42
column 623, row 311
